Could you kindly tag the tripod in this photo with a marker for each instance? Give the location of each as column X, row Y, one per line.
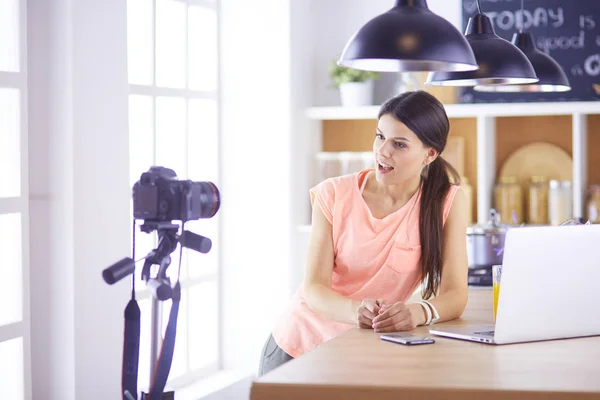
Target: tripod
column 160, row 284
column 160, row 287
column 154, row 273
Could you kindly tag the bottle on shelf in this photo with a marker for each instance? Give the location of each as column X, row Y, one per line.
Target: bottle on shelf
column 508, row 200
column 592, row 206
column 560, row 201
column 537, row 201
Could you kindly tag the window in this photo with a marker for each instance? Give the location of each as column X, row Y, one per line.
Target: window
column 14, row 208
column 173, row 122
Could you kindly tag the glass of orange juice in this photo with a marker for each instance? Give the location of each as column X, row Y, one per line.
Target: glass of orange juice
column 496, row 276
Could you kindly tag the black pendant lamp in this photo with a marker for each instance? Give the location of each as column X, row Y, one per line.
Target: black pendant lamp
column 500, row 62
column 551, row 76
column 409, row 37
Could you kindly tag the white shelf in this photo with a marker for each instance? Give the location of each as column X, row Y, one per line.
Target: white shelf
column 466, row 110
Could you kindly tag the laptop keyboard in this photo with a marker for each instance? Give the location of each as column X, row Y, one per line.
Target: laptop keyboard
column 487, row 333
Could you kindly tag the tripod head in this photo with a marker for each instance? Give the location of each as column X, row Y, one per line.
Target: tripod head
column 160, row 285
column 167, row 243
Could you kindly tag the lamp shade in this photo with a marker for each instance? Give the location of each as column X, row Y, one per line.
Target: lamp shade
column 500, row 62
column 551, row 76
column 408, row 37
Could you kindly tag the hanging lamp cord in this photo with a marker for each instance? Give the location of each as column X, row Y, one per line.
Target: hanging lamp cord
column 478, row 6
column 522, row 16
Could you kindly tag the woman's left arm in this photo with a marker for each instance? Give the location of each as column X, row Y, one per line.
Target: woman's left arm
column 453, row 293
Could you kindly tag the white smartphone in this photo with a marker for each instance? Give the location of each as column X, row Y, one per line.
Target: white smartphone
column 407, row 339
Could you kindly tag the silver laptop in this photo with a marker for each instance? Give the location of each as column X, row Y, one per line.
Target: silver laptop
column 550, row 287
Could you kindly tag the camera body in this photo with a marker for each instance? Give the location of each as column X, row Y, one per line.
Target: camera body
column 159, row 197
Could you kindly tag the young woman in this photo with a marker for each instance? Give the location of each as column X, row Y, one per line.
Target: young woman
column 377, row 235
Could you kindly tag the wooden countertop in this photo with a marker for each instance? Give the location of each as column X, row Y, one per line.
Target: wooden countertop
column 359, row 365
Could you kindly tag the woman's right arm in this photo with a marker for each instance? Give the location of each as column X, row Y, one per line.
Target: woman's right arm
column 317, row 284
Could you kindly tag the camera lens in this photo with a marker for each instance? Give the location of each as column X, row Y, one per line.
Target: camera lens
column 210, row 199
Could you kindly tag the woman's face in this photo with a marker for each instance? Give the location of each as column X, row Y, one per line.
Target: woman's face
column 399, row 154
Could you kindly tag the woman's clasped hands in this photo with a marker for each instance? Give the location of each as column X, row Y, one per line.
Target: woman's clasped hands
column 376, row 314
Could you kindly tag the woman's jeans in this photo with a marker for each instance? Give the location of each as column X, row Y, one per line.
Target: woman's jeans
column 272, row 357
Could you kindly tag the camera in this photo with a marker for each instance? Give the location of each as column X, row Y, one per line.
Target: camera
column 159, row 197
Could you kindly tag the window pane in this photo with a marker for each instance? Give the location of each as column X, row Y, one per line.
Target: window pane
column 202, row 48
column 204, row 325
column 12, row 384
column 203, row 165
column 170, row 43
column 179, row 366
column 140, row 36
column 141, row 136
column 171, row 134
column 10, row 142
column 203, row 144
column 199, row 264
column 9, row 34
column 11, row 295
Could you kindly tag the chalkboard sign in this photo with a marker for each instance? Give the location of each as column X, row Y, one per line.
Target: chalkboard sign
column 567, row 30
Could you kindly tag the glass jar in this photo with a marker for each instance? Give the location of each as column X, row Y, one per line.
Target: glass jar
column 352, row 162
column 592, row 206
column 508, row 200
column 368, row 160
column 537, row 201
column 560, row 202
column 567, row 188
column 330, row 165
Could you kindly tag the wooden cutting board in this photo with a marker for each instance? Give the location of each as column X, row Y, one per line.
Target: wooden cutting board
column 538, row 159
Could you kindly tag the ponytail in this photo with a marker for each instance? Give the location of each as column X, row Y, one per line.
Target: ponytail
column 435, row 185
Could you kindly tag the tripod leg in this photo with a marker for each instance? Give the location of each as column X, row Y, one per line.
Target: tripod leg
column 156, row 334
column 165, row 396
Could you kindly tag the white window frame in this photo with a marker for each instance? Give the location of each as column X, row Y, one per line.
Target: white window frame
column 155, row 91
column 18, row 80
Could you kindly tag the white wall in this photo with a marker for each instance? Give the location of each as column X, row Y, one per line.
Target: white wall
column 79, row 195
column 306, row 138
column 255, row 173
column 337, row 20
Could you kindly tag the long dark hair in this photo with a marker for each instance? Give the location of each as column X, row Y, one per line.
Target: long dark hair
column 424, row 115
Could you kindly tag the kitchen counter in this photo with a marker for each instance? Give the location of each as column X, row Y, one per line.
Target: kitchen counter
column 358, row 365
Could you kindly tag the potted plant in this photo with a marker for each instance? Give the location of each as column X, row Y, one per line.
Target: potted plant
column 356, row 86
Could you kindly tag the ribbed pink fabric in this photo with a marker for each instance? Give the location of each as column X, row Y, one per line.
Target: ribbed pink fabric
column 373, row 258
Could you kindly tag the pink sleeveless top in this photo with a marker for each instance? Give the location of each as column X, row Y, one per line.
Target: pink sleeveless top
column 373, row 258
